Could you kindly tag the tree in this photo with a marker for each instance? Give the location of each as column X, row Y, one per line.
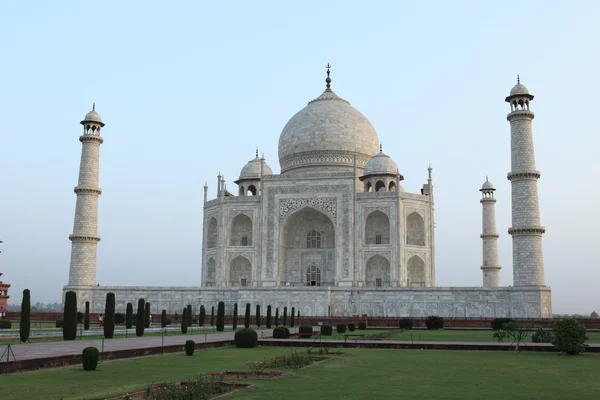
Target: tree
column 163, row 319
column 147, row 315
column 292, row 315
column 247, row 316
column 212, row 316
column 269, row 317
column 184, row 321
column 221, row 317
column 70, row 316
column 257, row 316
column 25, row 324
column 109, row 316
column 284, row 316
column 569, row 336
column 189, row 315
column 514, row 332
column 86, row 317
column 235, row 316
column 202, row 316
column 276, row 316
column 129, row 316
column 139, row 318
column 298, row 322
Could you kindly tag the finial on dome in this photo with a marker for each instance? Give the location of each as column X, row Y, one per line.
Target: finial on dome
column 328, row 80
column 263, row 156
column 93, row 106
column 381, row 147
column 518, row 79
column 257, row 152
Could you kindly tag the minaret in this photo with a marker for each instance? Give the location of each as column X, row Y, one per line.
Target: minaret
column 489, row 236
column 528, row 260
column 85, row 230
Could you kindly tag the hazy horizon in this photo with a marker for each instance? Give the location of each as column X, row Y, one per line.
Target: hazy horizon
column 189, row 90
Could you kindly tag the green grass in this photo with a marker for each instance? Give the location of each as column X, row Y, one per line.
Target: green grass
column 358, row 374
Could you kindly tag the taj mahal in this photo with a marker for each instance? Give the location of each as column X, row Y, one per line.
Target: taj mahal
column 334, row 233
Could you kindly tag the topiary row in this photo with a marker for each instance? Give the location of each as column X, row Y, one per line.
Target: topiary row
column 281, row 332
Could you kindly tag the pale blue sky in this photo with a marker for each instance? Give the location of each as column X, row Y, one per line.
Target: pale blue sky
column 188, row 89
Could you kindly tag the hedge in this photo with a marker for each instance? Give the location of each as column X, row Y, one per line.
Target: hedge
column 433, row 322
column 90, row 358
column 119, row 319
column 268, row 317
column 5, row 324
column 109, row 316
column 25, row 325
column 190, row 346
column 326, row 330
column 86, row 317
column 362, row 326
column 281, row 332
column 351, row 327
column 139, row 326
column 340, row 328
column 201, row 317
column 305, row 331
column 405, row 323
column 292, row 317
column 129, row 316
column 247, row 316
column 163, row 319
column 235, row 316
column 246, row 338
column 221, row 317
column 70, row 316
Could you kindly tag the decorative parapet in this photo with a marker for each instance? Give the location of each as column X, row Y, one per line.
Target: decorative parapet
column 84, row 239
column 531, row 231
column 91, row 138
column 520, row 114
column 80, row 190
column 523, row 175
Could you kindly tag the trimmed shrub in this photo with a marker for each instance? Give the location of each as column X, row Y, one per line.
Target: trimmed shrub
column 235, row 316
column 163, row 319
column 70, row 316
column 190, row 346
column 284, row 316
column 292, row 315
column 119, row 319
column 362, row 326
column 202, row 316
column 212, row 316
column 25, row 325
column 5, row 324
column 139, row 326
column 497, row 323
column 221, row 317
column 542, row 336
column 246, row 338
column 351, row 327
column 298, row 321
column 569, row 336
column 109, row 316
column 340, row 328
column 326, row 330
column 90, row 358
column 147, row 315
column 405, row 323
column 257, row 316
column 305, row 331
column 268, row 317
column 433, row 322
column 189, row 315
column 79, row 317
column 276, row 316
column 86, row 316
column 247, row 316
column 281, row 332
column 184, row 320
column 129, row 316
column 60, row 323
column 169, row 322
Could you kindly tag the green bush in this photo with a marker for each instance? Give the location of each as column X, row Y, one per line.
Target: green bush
column 246, row 338
column 284, row 316
column 86, row 317
column 497, row 323
column 351, row 327
column 258, row 316
column 163, row 319
column 276, row 316
column 221, row 317
column 147, row 315
column 79, row 317
column 247, row 316
column 405, row 323
column 70, row 316
column 119, row 319
column 542, row 336
column 235, row 316
column 326, row 330
column 269, row 317
column 129, row 316
column 25, row 325
column 362, row 326
column 189, row 315
column 109, row 316
column 190, row 345
column 569, row 336
column 5, row 324
column 434, row 322
column 139, row 318
column 201, row 317
column 60, row 323
column 292, row 315
column 340, row 328
column 305, row 331
column 184, row 321
column 90, row 358
column 281, row 332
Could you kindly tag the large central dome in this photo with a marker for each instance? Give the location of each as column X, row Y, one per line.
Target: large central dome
column 325, row 136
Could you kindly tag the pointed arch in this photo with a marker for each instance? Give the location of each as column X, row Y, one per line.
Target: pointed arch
column 377, row 228
column 212, row 233
column 377, row 272
column 380, row 186
column 416, row 272
column 368, row 187
column 211, row 272
column 415, row 230
column 392, row 187
column 240, row 233
column 240, row 272
column 252, row 190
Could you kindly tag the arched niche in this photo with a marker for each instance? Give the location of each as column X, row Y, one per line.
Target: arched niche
column 377, row 272
column 212, row 233
column 415, row 230
column 211, row 272
column 240, row 272
column 377, row 228
column 240, row 232
column 416, row 272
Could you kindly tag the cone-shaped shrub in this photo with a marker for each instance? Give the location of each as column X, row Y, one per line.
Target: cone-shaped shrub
column 292, row 317
column 189, row 315
column 284, row 316
column 276, row 316
column 25, row 324
column 298, row 317
column 147, row 315
column 212, row 316
column 139, row 318
column 247, row 316
column 90, row 358
column 246, row 338
column 268, row 317
column 190, row 345
column 86, row 317
column 70, row 316
column 221, row 317
column 235, row 315
column 129, row 316
column 109, row 316
column 281, row 332
column 163, row 319
column 202, row 316
column 184, row 320
column 257, row 316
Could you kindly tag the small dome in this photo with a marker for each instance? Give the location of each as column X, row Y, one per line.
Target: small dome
column 594, row 314
column 252, row 169
column 381, row 164
column 519, row 89
column 487, row 185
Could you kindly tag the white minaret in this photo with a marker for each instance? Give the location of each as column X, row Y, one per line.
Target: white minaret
column 85, row 230
column 489, row 236
column 528, row 260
